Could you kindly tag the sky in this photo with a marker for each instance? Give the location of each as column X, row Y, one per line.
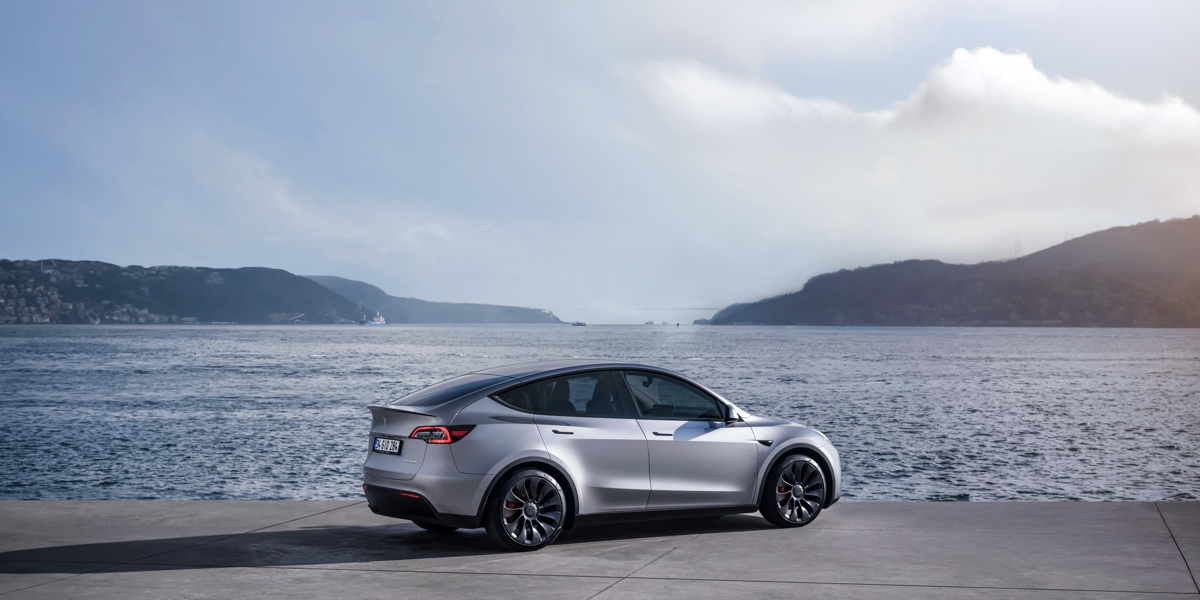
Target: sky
column 614, row 162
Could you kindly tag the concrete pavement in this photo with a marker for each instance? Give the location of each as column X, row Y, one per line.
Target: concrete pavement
column 235, row 549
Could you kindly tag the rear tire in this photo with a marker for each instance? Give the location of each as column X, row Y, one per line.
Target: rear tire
column 434, row 527
column 526, row 511
column 794, row 492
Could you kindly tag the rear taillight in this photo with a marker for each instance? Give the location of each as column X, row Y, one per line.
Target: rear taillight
column 437, row 434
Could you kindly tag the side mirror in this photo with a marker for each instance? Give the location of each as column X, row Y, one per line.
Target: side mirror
column 731, row 415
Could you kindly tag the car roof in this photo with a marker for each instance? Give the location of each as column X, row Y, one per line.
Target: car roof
column 490, row 380
column 523, row 372
column 528, row 369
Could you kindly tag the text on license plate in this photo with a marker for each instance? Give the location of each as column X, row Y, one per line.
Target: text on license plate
column 387, row 445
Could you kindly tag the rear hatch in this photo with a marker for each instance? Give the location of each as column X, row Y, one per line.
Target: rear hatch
column 395, row 422
column 391, row 427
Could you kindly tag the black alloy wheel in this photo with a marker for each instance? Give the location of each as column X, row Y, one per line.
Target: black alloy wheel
column 526, row 511
column 794, row 492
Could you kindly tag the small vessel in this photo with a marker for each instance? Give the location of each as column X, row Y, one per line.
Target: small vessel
column 376, row 320
column 579, row 324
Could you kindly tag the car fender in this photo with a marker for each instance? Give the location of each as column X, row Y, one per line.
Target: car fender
column 492, row 479
column 780, row 449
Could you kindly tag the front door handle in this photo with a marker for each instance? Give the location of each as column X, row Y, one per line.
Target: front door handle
column 663, row 434
column 563, row 432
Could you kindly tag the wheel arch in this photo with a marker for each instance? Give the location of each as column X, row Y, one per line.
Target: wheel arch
column 812, row 453
column 556, row 471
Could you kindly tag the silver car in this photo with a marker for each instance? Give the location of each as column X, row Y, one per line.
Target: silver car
column 527, row 451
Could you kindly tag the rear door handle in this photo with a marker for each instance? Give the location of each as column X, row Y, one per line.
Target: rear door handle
column 563, row 432
column 663, row 434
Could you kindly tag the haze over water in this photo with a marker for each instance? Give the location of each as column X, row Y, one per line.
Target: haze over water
column 280, row 412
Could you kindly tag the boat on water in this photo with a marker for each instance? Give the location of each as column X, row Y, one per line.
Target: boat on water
column 376, row 320
column 579, row 324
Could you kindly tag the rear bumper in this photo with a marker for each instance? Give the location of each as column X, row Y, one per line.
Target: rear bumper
column 406, row 504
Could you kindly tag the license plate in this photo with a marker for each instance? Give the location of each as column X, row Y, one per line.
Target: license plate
column 387, row 445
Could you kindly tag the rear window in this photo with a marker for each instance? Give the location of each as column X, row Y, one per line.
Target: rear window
column 440, row 393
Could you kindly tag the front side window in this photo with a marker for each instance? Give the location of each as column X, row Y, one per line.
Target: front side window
column 582, row 395
column 660, row 396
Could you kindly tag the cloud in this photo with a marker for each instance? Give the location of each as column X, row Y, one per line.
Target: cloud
column 986, row 150
column 969, row 82
column 985, row 79
column 705, row 96
column 255, row 192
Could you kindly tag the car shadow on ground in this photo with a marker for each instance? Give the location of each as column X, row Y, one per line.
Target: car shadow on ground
column 402, row 546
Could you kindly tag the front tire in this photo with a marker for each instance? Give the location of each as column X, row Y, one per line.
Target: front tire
column 526, row 511
column 794, row 492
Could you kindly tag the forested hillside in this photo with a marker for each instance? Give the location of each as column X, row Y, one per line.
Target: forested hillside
column 63, row 291
column 1145, row 275
column 412, row 310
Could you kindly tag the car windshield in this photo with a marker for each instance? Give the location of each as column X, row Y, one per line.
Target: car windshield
column 440, row 393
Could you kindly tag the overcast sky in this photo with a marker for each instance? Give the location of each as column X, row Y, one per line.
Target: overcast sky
column 601, row 159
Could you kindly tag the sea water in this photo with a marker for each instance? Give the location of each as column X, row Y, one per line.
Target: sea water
column 241, row 412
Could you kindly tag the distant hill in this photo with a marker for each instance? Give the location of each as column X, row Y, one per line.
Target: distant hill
column 1145, row 275
column 63, row 291
column 412, row 310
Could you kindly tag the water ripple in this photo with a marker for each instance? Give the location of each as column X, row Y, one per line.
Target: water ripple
column 919, row 414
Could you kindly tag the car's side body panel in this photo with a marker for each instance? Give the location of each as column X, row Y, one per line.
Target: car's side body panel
column 449, row 490
column 500, row 434
column 700, row 463
column 786, row 438
column 608, row 457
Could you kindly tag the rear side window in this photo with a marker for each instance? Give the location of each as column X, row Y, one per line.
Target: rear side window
column 592, row 394
column 658, row 396
column 524, row 398
column 451, row 389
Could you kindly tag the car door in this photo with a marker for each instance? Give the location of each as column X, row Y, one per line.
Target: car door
column 696, row 458
column 586, row 427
